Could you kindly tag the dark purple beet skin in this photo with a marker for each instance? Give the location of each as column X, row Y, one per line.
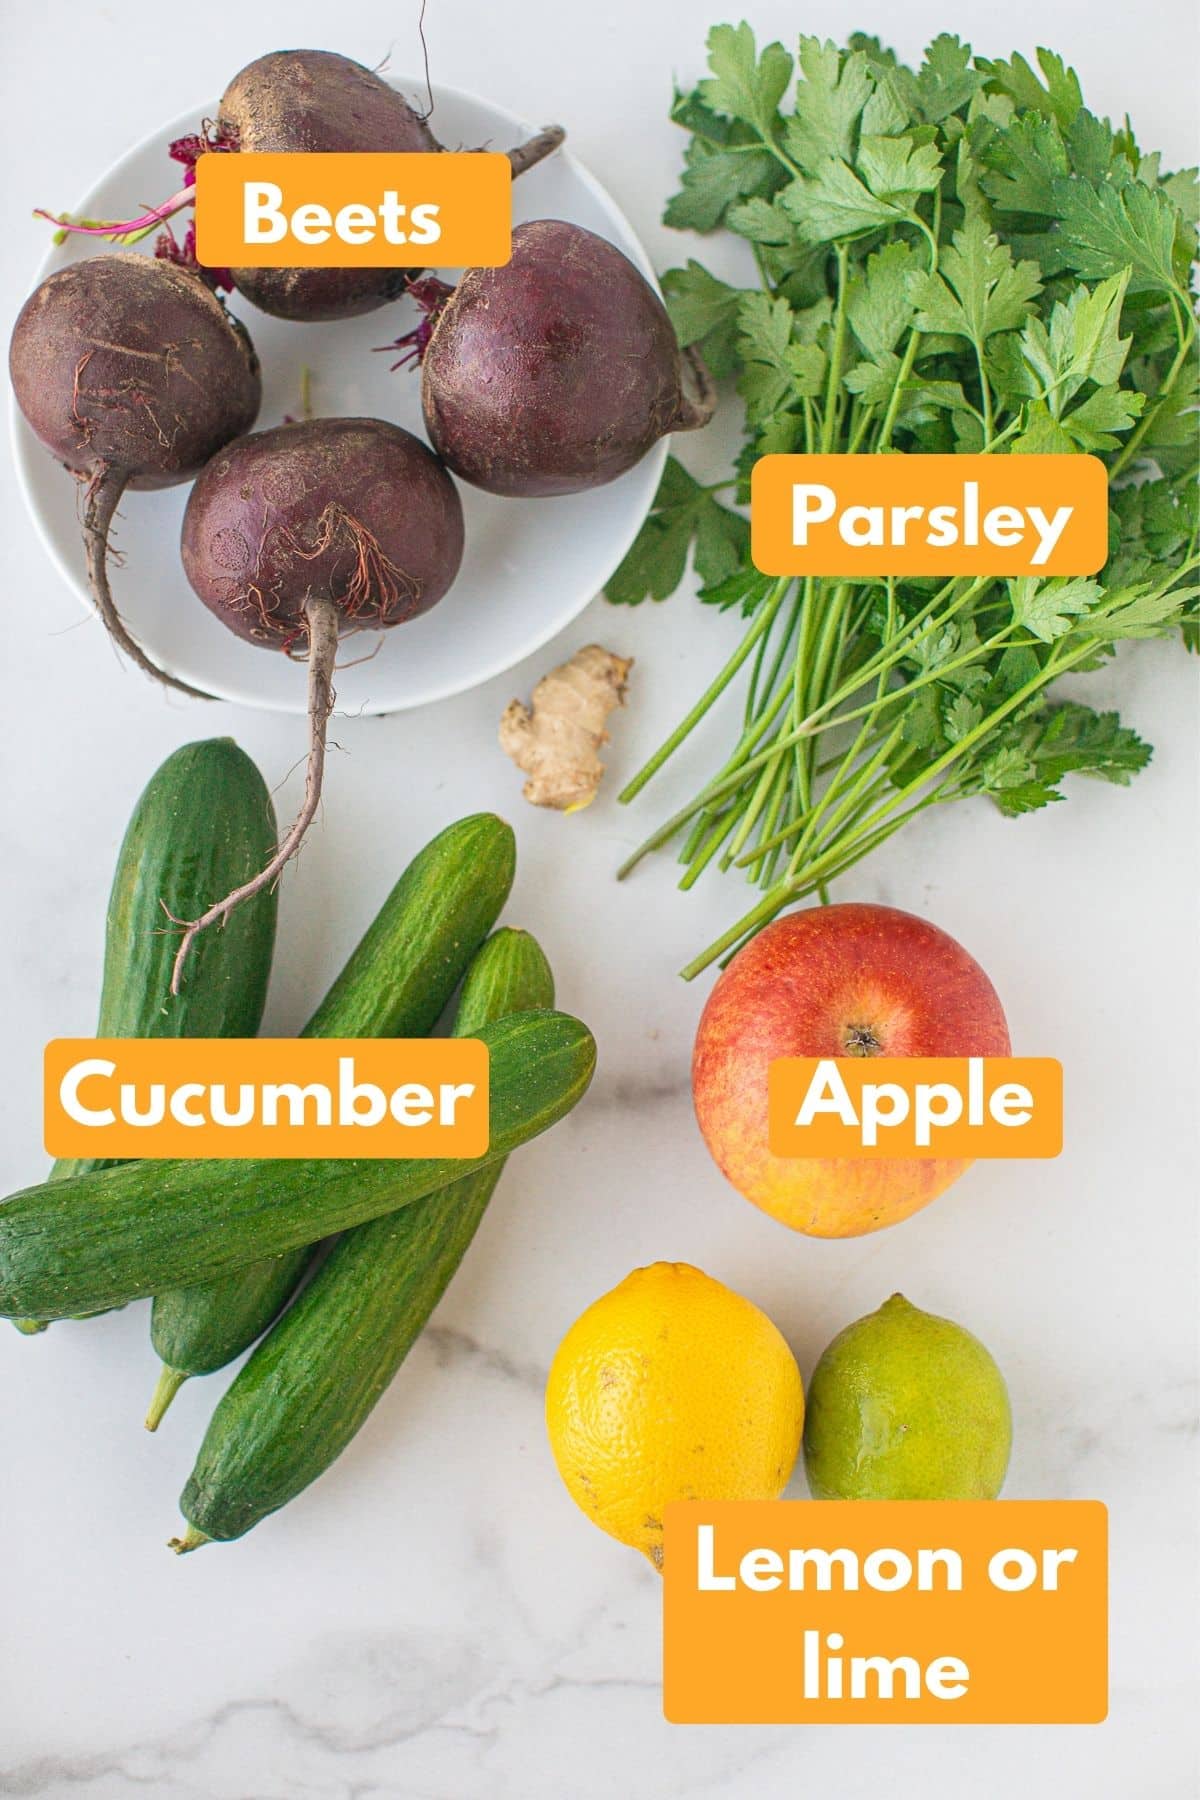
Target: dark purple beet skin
column 132, row 374
column 295, row 536
column 300, row 101
column 122, row 362
column 556, row 372
column 353, row 511
column 315, row 100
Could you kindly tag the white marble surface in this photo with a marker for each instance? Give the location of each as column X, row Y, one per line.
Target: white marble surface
column 435, row 1621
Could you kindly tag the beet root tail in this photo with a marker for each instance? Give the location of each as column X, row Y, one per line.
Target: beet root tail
column 537, row 149
column 697, row 393
column 322, row 655
column 101, row 501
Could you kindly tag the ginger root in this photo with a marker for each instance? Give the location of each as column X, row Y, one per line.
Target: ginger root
column 555, row 741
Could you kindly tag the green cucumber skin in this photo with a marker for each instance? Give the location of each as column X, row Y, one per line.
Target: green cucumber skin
column 509, row 974
column 104, row 1239
column 203, row 825
column 395, row 984
column 197, row 1330
column 317, row 1375
column 280, row 1425
column 414, row 952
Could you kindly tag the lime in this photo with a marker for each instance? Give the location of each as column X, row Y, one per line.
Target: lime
column 904, row 1405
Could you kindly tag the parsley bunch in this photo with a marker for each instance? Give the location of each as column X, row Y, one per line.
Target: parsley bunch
column 960, row 258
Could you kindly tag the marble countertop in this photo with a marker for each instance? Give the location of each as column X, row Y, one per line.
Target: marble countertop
column 434, row 1620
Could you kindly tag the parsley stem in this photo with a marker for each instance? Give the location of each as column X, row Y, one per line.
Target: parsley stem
column 833, row 385
column 883, row 441
column 758, row 799
column 722, row 786
column 755, row 675
column 760, row 263
column 799, row 688
column 930, row 235
column 741, row 766
column 888, row 655
column 765, row 854
column 857, row 773
column 865, row 772
column 773, row 903
column 985, row 390
column 1138, row 434
column 862, row 424
column 861, row 703
column 716, row 837
column 716, row 687
column 827, row 658
column 937, row 673
column 805, row 880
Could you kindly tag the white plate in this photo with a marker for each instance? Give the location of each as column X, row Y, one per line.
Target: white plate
column 530, row 567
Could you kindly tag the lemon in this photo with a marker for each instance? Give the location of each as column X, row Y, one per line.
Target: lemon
column 671, row 1387
column 904, row 1405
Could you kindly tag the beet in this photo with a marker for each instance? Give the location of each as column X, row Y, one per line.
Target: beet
column 132, row 374
column 315, row 100
column 309, row 531
column 307, row 100
column 558, row 371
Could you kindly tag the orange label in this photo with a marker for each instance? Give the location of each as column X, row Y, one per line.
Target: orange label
column 927, row 515
column 284, row 1097
column 923, row 1106
column 445, row 209
column 781, row 1612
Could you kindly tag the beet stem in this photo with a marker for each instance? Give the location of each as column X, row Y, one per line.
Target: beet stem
column 322, row 654
column 526, row 156
column 121, row 230
column 101, row 502
column 431, row 296
column 697, row 406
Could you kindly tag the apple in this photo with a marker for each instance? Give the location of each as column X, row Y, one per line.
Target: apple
column 846, row 980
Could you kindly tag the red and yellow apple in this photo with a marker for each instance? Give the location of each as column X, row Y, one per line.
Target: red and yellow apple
column 848, row 980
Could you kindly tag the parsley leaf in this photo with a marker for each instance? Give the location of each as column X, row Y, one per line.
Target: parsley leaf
column 775, row 368
column 830, row 96
column 704, row 311
column 980, row 289
column 1102, row 228
column 945, row 82
column 684, row 514
column 1034, row 754
column 714, row 180
column 833, row 204
column 743, row 84
column 994, row 267
column 895, row 168
column 761, row 222
column 1049, row 608
column 1060, row 98
column 1020, row 164
column 1146, row 614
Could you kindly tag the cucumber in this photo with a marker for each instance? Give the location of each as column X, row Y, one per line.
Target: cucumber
column 203, row 825
column 103, row 1239
column 197, row 1330
column 395, row 984
column 316, row 1376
